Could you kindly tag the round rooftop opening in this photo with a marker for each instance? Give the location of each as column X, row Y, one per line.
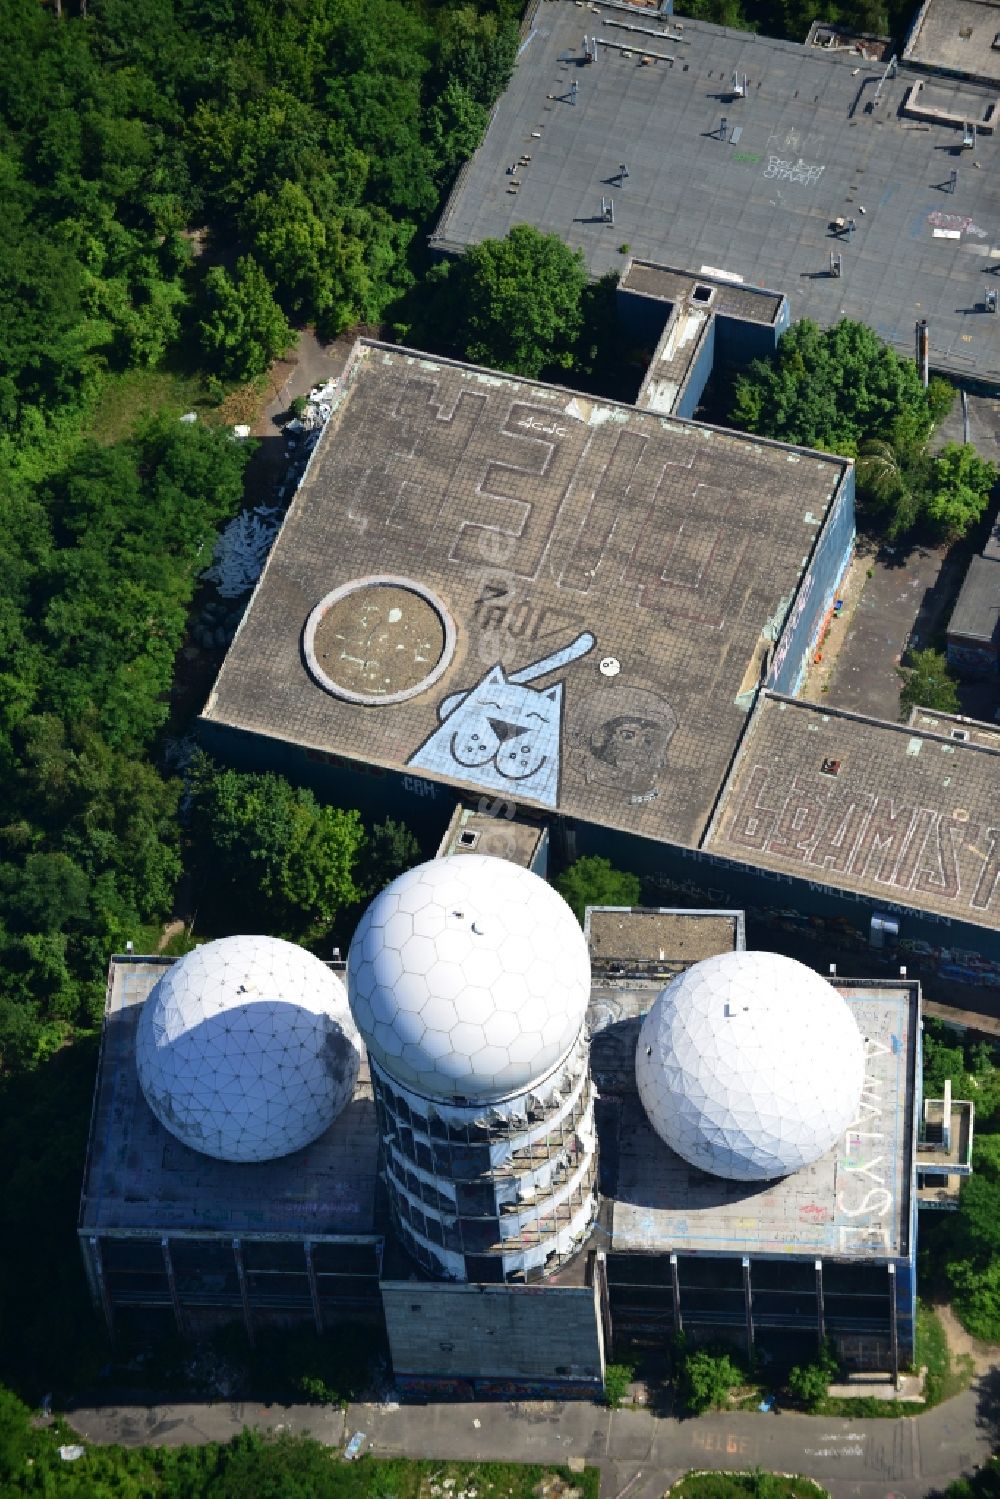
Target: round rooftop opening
column 378, row 640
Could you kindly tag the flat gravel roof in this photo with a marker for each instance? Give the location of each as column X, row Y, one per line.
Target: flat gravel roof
column 853, row 1203
column 609, row 576
column 140, row 1178
column 809, row 144
column 902, row 814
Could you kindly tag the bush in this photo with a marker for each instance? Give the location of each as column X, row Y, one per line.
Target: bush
column 927, row 683
column 809, row 1383
column 617, row 1379
column 705, row 1378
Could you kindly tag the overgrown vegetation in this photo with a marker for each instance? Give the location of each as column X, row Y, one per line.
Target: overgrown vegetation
column 927, row 683
column 983, row 1484
column 960, row 1252
column 809, row 1383
column 792, row 18
column 844, row 391
column 705, row 1377
column 312, row 140
column 524, row 304
column 617, row 1381
column 250, row 1465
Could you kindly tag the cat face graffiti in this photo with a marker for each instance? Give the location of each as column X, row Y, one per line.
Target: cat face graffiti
column 500, row 735
column 506, row 725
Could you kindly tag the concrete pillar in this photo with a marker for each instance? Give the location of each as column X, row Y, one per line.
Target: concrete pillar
column 313, row 1287
column 599, row 1262
column 244, row 1296
column 168, row 1265
column 893, row 1331
column 748, row 1305
column 97, row 1261
column 678, row 1321
column 820, row 1310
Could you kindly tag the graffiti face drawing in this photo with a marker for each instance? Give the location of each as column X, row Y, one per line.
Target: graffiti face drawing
column 504, row 735
column 620, row 738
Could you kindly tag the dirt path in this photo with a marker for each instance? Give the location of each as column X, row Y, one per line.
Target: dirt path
column 171, row 929
column 984, row 1356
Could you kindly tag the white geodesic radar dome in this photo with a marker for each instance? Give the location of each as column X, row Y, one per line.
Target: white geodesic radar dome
column 750, row 1066
column 469, row 978
column 246, row 1049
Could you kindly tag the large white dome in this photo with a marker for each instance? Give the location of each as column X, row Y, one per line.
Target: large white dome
column 469, row 978
column 246, row 1049
column 750, row 1065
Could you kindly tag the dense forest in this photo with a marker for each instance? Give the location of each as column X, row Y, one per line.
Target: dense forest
column 182, row 182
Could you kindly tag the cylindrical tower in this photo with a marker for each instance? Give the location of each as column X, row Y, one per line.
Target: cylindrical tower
column 469, row 980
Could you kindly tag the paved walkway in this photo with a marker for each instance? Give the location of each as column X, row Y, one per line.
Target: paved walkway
column 636, row 1450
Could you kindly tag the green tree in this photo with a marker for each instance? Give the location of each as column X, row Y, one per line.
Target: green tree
column 242, row 328
column 928, row 684
column 592, row 881
column 809, row 1383
column 832, row 389
column 844, row 391
column 268, row 852
column 960, row 488
column 705, row 1379
column 390, row 847
column 513, row 304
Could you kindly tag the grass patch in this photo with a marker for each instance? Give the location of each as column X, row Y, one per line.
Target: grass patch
column 127, row 400
column 755, row 1485
column 945, row 1376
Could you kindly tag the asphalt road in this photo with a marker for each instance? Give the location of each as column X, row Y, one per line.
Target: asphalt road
column 636, row 1450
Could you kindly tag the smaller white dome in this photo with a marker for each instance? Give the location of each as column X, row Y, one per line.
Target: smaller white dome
column 750, row 1065
column 469, row 978
column 246, row 1049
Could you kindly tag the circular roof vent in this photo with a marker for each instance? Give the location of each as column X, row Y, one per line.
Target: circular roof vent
column 750, row 1066
column 378, row 640
column 246, row 1049
column 469, row 978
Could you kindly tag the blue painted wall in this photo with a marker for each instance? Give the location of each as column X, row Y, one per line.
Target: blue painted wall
column 816, row 593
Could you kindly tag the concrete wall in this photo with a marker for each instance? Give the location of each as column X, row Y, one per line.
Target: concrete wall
column 738, row 340
column 972, row 659
column 698, row 374
column 477, row 1340
column 816, row 594
column 954, row 953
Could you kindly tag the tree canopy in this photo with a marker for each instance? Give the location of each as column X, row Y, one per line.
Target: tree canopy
column 833, row 389
column 150, row 147
column 514, row 304
column 927, row 683
column 593, row 881
column 268, row 855
column 100, row 566
column 843, row 390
